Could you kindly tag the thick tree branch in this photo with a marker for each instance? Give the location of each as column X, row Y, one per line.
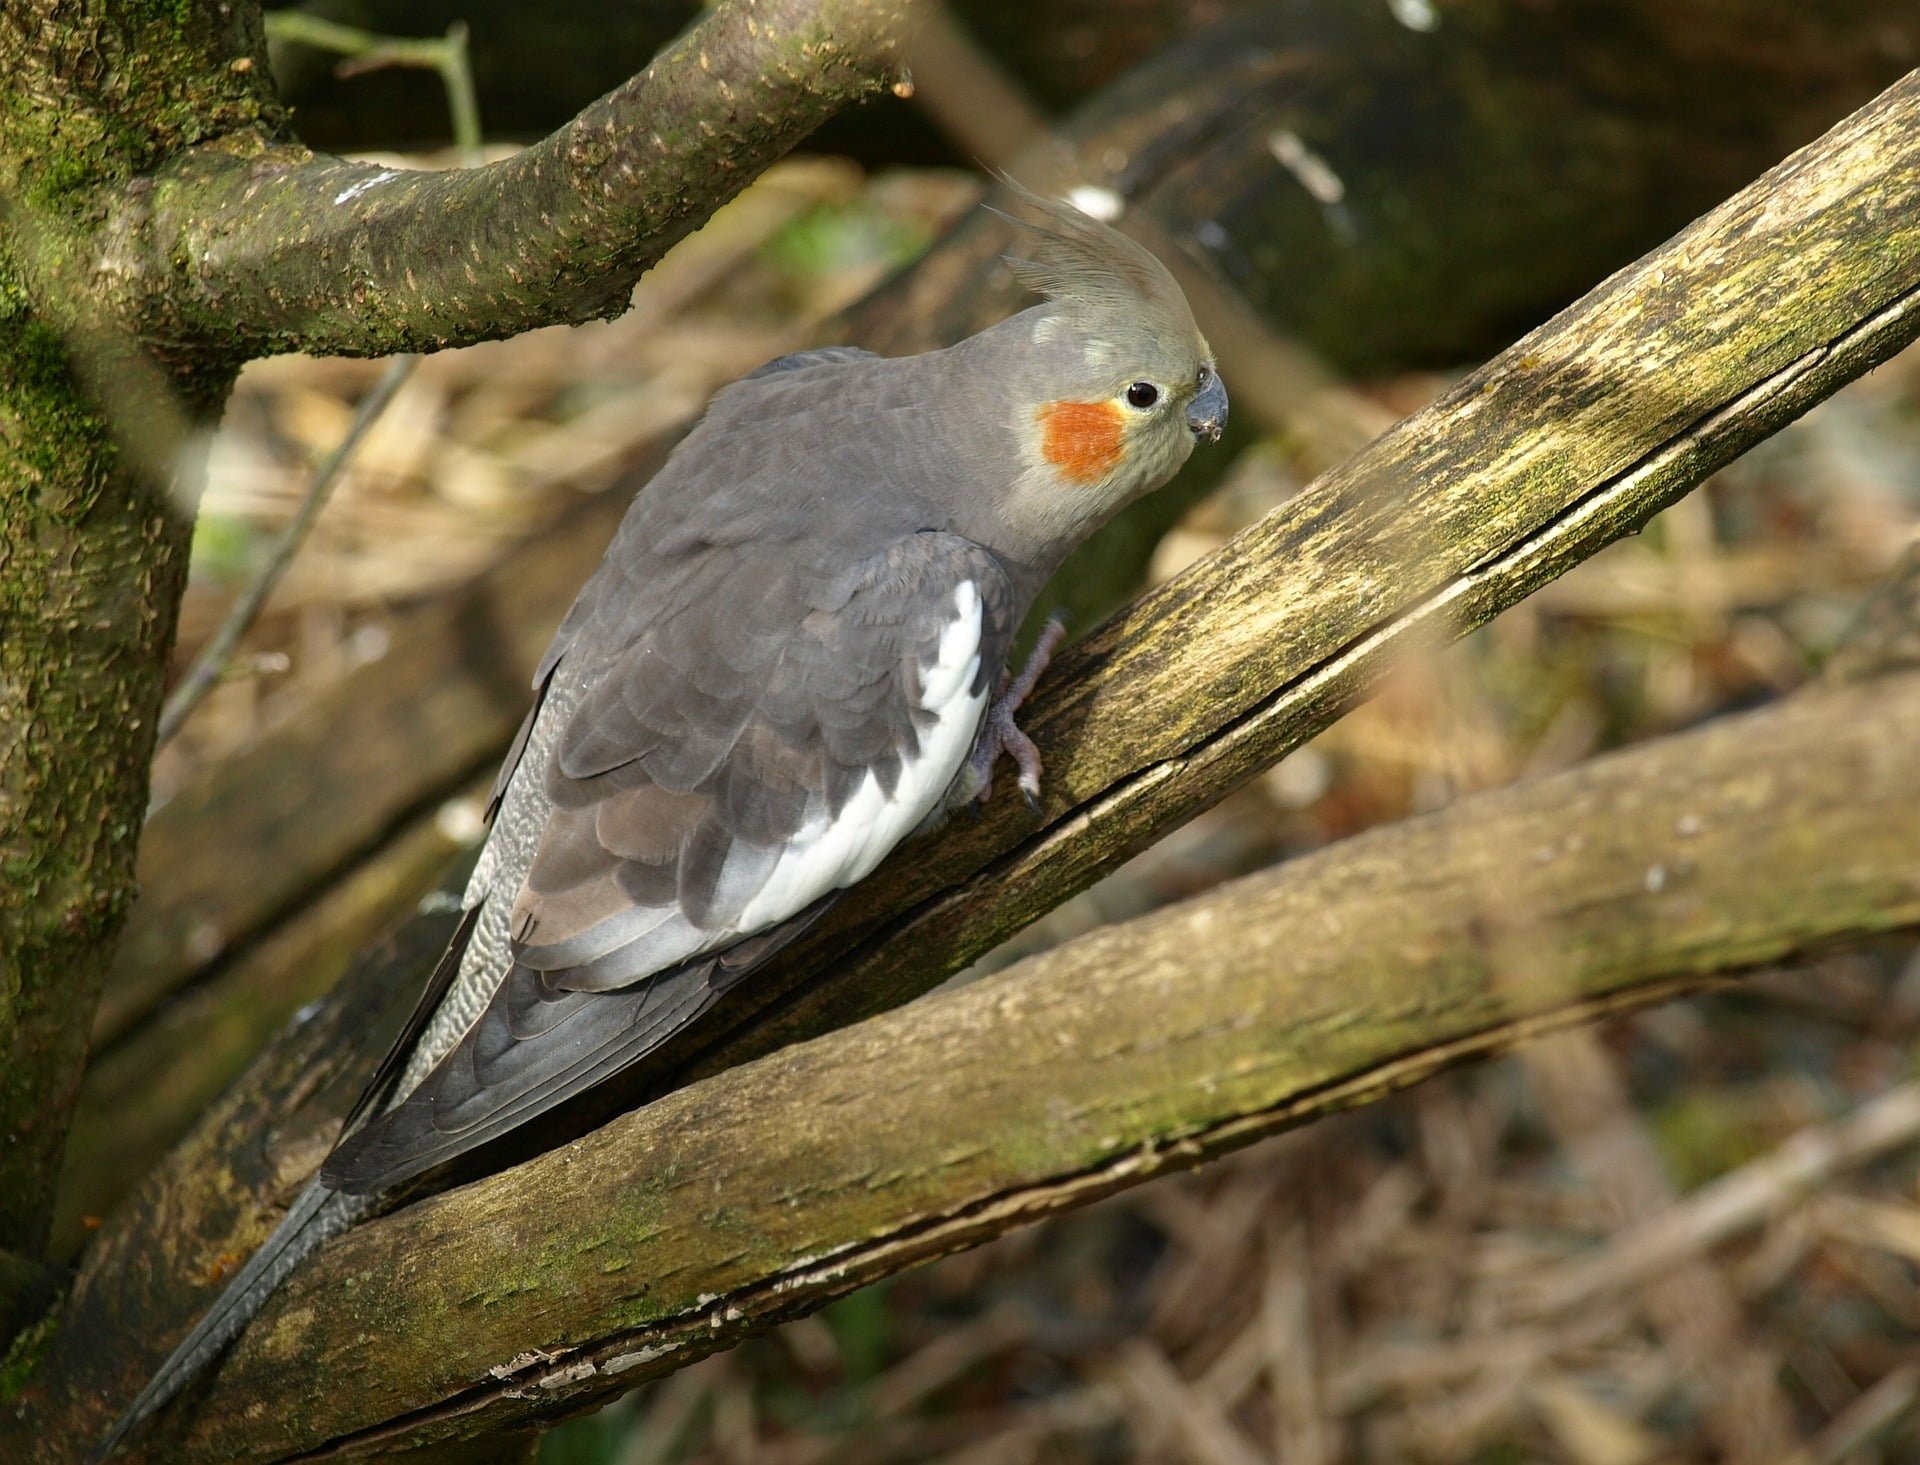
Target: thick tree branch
column 1574, row 437
column 1571, row 439
column 160, row 226
column 284, row 250
column 93, row 548
column 1215, row 94
column 1147, row 1047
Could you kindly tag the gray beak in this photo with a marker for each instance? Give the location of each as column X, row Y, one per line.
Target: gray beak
column 1207, row 412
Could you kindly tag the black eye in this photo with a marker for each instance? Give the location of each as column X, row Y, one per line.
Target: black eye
column 1142, row 395
column 1200, row 377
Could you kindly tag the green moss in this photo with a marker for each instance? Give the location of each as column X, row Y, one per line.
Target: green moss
column 24, row 1356
column 39, row 358
column 53, row 416
column 177, row 14
column 113, row 123
column 61, row 177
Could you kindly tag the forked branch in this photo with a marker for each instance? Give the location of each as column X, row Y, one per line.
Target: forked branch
column 280, row 249
column 767, row 1190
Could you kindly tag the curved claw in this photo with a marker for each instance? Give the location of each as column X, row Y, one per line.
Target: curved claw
column 1001, row 734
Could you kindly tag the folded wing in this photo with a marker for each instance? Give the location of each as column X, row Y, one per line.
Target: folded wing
column 732, row 767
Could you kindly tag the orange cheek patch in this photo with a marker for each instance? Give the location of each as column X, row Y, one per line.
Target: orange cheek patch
column 1083, row 440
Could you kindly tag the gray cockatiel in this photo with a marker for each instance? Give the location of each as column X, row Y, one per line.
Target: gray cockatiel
column 785, row 665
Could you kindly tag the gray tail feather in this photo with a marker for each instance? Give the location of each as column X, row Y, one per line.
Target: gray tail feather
column 318, row 1214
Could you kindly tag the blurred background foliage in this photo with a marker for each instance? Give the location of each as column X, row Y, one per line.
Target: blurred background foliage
column 1393, row 1284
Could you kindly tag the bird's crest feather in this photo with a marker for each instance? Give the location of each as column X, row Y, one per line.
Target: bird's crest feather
column 1093, row 269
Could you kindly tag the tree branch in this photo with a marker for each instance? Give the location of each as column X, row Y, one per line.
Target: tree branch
column 1572, row 438
column 189, row 908
column 1147, row 1047
column 285, row 250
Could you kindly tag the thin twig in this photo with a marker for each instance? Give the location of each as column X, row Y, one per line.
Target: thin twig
column 208, row 665
column 456, row 74
column 369, row 51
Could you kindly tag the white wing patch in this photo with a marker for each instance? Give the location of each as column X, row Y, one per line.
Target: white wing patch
column 767, row 885
column 831, row 854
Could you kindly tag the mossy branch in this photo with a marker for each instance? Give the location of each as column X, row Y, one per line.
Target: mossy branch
column 159, row 228
column 1573, row 438
column 774, row 1188
column 765, row 1191
column 261, row 249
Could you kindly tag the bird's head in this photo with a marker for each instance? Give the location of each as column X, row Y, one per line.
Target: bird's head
column 1122, row 384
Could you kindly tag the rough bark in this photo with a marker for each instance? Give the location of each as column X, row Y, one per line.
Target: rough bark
column 1186, row 143
column 1571, row 439
column 92, row 556
column 92, row 547
column 290, row 251
column 159, row 228
column 767, row 1190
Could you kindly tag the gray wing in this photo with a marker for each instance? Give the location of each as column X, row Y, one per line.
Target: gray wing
column 736, row 763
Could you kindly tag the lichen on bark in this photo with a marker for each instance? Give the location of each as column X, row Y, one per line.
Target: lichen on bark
column 92, row 544
column 92, row 554
column 134, row 135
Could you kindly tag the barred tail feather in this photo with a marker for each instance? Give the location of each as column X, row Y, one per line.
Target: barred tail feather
column 318, row 1214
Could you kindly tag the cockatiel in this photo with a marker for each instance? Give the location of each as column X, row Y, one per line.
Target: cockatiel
column 784, row 666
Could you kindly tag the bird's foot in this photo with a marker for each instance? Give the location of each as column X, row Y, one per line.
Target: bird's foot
column 1001, row 734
